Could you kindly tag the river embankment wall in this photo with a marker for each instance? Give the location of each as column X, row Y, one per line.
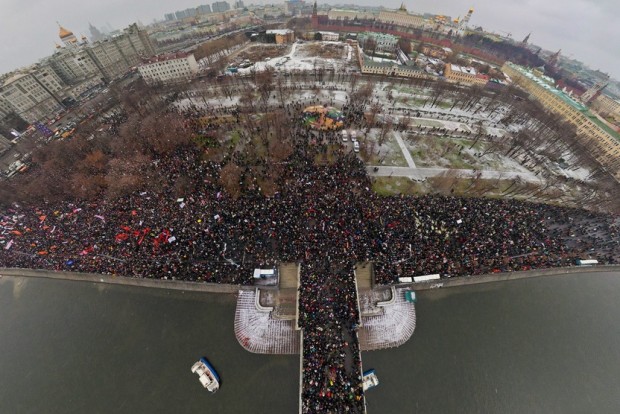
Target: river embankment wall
column 231, row 289
column 126, row 281
column 500, row 277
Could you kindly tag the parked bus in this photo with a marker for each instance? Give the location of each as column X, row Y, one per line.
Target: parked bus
column 426, row 278
column 586, row 262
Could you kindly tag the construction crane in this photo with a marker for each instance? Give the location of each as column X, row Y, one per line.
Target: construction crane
column 508, row 35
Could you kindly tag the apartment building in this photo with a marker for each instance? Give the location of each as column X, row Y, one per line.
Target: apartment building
column 169, row 68
column 32, row 95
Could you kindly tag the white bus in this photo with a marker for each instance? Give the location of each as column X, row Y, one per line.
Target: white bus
column 426, row 278
column 264, row 273
column 586, row 262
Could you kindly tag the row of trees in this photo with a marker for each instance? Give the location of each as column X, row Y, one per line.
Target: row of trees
column 108, row 163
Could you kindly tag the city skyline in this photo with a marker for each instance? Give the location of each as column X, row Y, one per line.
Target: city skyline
column 583, row 29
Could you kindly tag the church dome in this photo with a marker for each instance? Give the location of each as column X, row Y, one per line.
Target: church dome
column 63, row 33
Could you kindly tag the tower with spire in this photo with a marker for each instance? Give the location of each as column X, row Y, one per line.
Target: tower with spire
column 592, row 93
column 524, row 41
column 95, row 34
column 554, row 59
column 315, row 16
column 464, row 22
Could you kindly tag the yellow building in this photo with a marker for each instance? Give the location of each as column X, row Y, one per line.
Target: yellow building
column 607, row 106
column 401, row 17
column 283, row 35
column 602, row 141
column 464, row 74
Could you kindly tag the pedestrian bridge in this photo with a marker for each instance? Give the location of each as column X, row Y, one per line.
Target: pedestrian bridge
column 266, row 323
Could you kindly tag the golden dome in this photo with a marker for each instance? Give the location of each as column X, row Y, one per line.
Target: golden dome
column 471, row 10
column 64, row 32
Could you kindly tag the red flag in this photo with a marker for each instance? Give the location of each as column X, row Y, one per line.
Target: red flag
column 87, row 250
column 144, row 233
column 121, row 237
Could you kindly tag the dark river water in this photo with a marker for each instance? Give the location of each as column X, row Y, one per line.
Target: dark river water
column 545, row 345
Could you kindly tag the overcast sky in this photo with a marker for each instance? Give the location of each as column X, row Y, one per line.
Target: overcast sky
column 586, row 30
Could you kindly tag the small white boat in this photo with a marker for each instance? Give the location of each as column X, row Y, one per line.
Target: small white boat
column 370, row 380
column 206, row 374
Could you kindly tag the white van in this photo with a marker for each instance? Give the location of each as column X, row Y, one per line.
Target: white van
column 345, row 136
column 356, row 146
column 353, row 136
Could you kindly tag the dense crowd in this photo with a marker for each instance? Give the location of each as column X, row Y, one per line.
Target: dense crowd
column 324, row 215
column 206, row 235
column 328, row 315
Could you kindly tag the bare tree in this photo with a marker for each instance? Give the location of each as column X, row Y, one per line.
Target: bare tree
column 230, row 179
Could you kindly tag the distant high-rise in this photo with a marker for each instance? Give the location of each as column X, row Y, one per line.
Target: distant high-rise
column 95, row 34
column 190, row 12
column 220, row 6
column 169, row 17
column 203, row 9
column 239, row 4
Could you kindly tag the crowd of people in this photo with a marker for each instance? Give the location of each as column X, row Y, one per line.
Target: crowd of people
column 328, row 315
column 324, row 215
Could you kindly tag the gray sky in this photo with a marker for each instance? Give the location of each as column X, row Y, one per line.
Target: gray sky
column 586, row 30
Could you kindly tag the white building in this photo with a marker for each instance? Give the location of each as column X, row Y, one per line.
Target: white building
column 169, row 68
column 330, row 36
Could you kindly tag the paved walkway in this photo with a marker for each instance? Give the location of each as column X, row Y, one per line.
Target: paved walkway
column 413, row 172
column 423, row 173
column 404, row 149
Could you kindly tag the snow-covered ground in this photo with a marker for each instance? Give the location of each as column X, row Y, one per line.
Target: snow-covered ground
column 432, row 155
column 298, row 60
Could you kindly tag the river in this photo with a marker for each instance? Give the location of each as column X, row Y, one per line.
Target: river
column 543, row 345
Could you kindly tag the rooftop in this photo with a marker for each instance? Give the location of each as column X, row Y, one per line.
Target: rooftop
column 545, row 82
column 280, row 31
column 165, row 57
column 463, row 69
column 13, row 78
